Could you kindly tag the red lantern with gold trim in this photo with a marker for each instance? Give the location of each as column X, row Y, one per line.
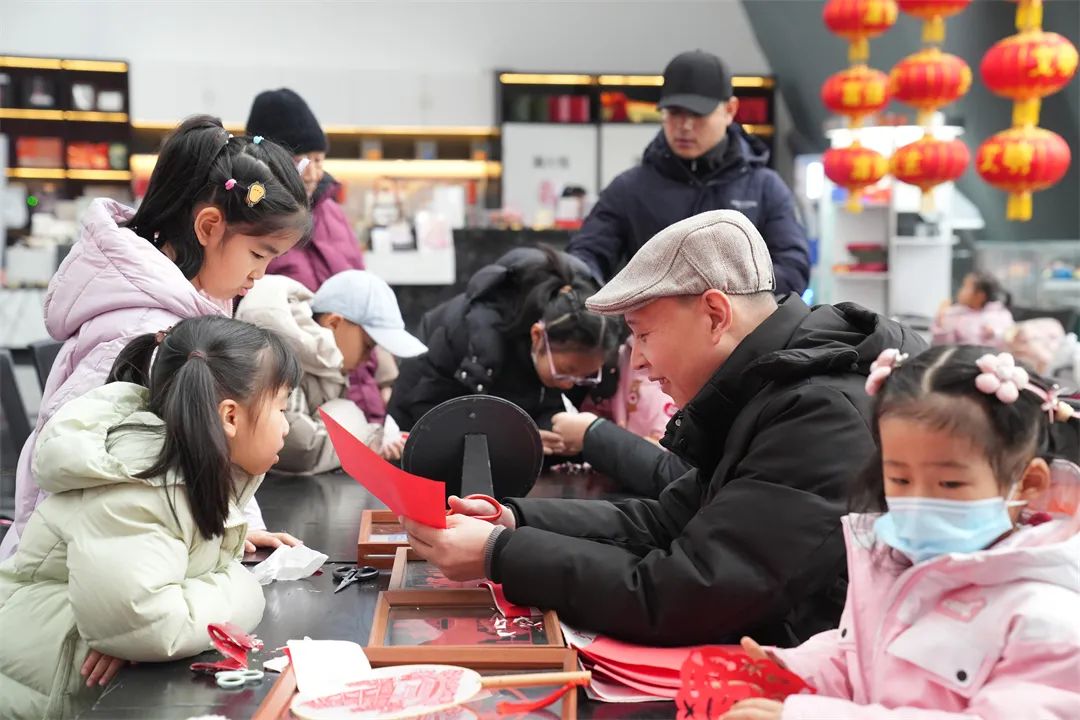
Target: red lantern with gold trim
column 1026, row 68
column 928, row 162
column 854, row 167
column 928, row 80
column 856, row 92
column 1021, row 161
column 858, row 20
column 933, row 14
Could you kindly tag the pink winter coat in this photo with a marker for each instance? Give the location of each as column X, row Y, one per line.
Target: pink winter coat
column 961, row 325
column 112, row 286
column 333, row 248
column 992, row 635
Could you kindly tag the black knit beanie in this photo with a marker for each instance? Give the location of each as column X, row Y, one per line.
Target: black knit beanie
column 284, row 117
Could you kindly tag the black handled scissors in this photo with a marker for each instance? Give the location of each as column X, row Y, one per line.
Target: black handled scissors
column 350, row 574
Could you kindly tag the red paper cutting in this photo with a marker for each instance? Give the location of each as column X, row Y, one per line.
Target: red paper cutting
column 715, row 678
column 507, row 608
column 406, row 494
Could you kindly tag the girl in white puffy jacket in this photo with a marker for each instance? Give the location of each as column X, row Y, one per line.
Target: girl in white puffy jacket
column 137, row 549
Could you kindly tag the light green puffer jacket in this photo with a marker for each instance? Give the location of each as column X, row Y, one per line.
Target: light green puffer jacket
column 104, row 564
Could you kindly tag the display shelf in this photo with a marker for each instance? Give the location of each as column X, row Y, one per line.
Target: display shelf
column 62, row 174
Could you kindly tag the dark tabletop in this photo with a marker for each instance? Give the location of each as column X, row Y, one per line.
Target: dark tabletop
column 324, row 511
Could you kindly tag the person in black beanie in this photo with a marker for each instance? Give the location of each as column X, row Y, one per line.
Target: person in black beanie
column 283, row 116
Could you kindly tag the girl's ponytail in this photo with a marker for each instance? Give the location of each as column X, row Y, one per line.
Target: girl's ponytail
column 195, row 444
column 132, row 365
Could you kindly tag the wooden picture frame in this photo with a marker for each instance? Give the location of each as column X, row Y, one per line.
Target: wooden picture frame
column 402, row 577
column 275, row 706
column 473, row 638
column 378, row 542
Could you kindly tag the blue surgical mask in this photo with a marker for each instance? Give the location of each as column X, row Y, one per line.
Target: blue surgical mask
column 924, row 528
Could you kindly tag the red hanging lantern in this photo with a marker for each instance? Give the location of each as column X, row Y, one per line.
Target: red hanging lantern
column 854, row 167
column 1026, row 68
column 928, row 80
column 856, row 92
column 1020, row 161
column 928, row 162
column 933, row 14
column 858, row 20
column 1029, row 15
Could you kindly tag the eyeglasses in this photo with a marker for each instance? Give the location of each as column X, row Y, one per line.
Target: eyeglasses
column 563, row 377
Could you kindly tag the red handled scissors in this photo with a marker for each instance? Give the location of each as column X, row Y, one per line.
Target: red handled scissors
column 492, row 517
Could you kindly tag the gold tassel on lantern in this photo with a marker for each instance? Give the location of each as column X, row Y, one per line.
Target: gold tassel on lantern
column 1019, row 206
column 1026, row 112
column 1029, row 15
column 933, row 31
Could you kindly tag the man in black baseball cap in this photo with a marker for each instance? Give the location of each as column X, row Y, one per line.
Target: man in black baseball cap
column 702, row 160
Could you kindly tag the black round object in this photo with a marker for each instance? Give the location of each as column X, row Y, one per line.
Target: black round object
column 436, row 445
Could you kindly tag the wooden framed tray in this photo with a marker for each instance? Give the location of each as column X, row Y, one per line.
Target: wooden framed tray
column 381, row 536
column 412, row 573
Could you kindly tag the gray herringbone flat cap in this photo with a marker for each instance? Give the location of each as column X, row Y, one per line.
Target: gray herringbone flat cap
column 716, row 250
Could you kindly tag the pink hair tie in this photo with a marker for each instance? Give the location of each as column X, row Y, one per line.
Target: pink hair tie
column 882, row 368
column 230, row 184
column 1001, row 377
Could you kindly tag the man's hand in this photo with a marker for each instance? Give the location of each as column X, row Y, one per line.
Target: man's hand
column 475, row 508
column 571, row 428
column 458, row 551
column 263, row 538
column 552, row 442
column 100, row 669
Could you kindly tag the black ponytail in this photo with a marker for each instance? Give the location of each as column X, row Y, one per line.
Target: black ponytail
column 555, row 295
column 195, row 162
column 199, row 363
column 132, row 365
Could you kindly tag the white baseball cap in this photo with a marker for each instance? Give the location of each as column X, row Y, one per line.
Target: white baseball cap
column 361, row 298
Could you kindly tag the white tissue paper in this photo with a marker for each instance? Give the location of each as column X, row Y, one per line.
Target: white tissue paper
column 391, row 433
column 288, row 563
column 326, row 666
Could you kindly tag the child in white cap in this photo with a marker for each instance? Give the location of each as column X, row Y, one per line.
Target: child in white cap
column 333, row 332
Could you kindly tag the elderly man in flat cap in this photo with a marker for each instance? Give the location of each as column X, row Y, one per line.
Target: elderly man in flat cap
column 774, row 422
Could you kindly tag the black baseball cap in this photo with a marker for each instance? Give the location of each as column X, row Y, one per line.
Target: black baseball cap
column 696, row 81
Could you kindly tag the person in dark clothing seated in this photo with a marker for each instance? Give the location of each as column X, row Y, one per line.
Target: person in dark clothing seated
column 775, row 423
column 702, row 160
column 520, row 331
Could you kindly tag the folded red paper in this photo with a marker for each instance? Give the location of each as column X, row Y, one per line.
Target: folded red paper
column 406, row 494
column 715, row 678
column 233, row 643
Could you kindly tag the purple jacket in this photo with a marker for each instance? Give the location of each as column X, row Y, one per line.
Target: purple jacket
column 332, row 249
column 111, row 287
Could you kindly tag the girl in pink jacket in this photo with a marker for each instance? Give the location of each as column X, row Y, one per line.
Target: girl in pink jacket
column 964, row 578
column 218, row 209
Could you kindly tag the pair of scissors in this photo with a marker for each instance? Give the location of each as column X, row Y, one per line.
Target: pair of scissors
column 229, row 679
column 351, row 574
column 492, row 517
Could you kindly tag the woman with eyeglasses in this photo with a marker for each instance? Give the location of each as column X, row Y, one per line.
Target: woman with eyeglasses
column 520, row 331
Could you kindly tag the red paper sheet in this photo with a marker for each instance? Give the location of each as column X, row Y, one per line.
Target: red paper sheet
column 666, row 660
column 414, row 497
column 657, row 691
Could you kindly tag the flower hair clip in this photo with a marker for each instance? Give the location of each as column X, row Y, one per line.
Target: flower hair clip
column 1001, row 377
column 882, row 368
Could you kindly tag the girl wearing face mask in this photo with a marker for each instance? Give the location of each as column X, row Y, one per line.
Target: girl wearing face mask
column 965, row 571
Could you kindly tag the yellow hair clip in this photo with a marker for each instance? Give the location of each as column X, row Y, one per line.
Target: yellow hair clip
column 256, row 192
